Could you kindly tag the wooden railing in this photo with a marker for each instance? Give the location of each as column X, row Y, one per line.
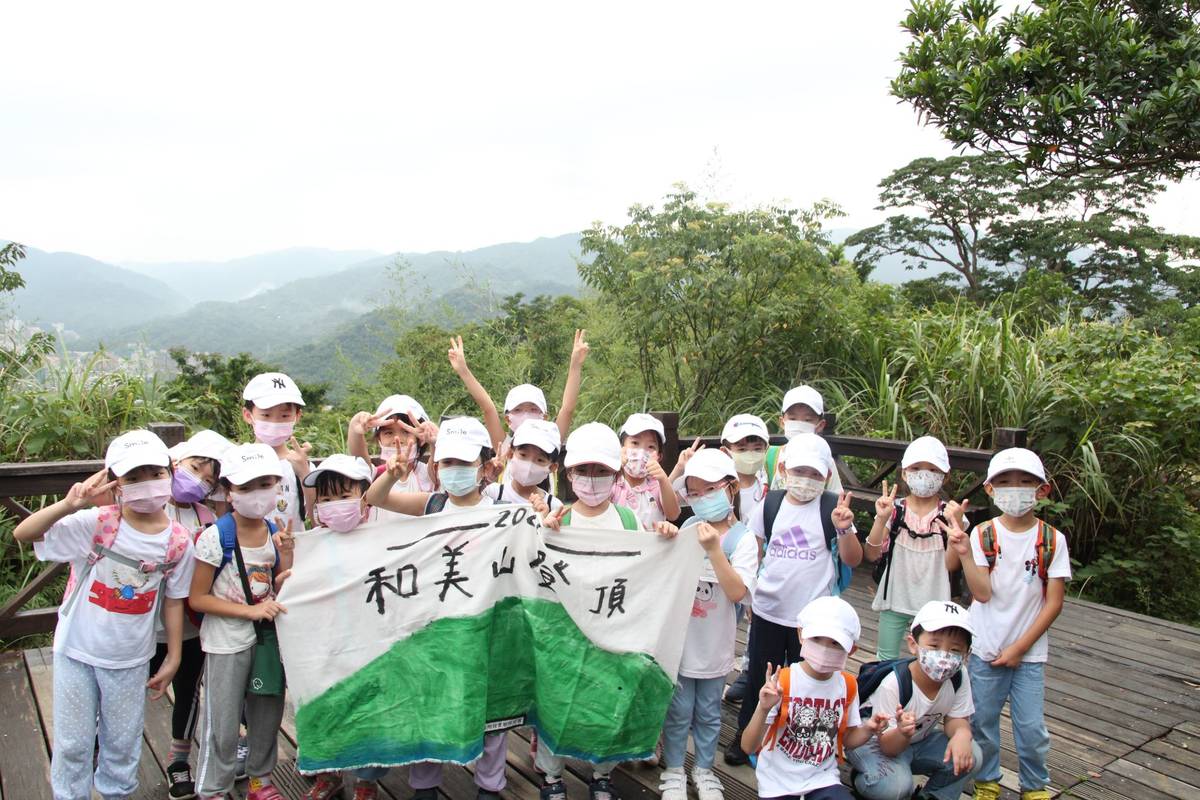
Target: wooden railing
column 55, row 478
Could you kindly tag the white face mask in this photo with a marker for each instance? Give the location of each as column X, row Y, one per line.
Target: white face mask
column 804, row 490
column 924, row 482
column 1016, row 501
column 256, row 504
column 794, row 427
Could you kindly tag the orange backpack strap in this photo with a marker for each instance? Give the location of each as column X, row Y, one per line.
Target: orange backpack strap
column 1047, row 540
column 989, row 543
column 768, row 742
column 851, row 696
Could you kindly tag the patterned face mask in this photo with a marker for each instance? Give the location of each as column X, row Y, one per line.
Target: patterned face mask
column 939, row 665
column 923, row 482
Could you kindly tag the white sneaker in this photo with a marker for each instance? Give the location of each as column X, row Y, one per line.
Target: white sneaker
column 673, row 784
column 708, row 785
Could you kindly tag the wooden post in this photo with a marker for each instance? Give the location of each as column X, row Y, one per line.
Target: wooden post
column 670, row 421
column 1004, row 438
column 172, row 433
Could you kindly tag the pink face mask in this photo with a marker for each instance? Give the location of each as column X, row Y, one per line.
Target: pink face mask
column 636, row 461
column 593, row 491
column 146, row 497
column 527, row 473
column 822, row 658
column 273, row 433
column 517, row 418
column 342, row 516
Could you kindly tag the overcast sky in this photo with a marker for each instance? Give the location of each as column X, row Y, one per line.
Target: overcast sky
column 168, row 131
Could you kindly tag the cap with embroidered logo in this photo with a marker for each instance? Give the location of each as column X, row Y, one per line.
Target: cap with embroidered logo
column 138, row 448
column 353, row 467
column 525, row 393
column 805, row 395
column 938, row 614
column 741, row 426
column 243, row 463
column 270, row 389
column 460, row 438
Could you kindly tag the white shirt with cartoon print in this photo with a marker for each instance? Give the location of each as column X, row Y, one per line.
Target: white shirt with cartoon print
column 229, row 634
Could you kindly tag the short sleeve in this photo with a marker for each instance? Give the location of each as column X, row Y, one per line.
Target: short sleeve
column 977, row 549
column 69, row 538
column 1060, row 567
column 745, row 561
column 964, row 704
column 756, row 520
column 208, row 546
column 885, row 698
column 179, row 581
column 853, row 720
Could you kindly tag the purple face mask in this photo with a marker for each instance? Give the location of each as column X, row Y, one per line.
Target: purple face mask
column 187, row 487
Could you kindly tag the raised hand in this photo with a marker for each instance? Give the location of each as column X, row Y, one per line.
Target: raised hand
column 686, row 455
column 362, row 422
column 906, row 721
column 492, row 469
column 554, row 521
column 284, row 539
column 885, row 504
column 458, row 356
column 770, row 695
column 579, row 351
column 708, row 536
column 956, row 538
column 398, row 465
column 89, row 492
column 841, row 515
column 281, row 578
column 537, row 499
column 956, row 511
column 298, row 454
column 666, row 529
column 654, row 470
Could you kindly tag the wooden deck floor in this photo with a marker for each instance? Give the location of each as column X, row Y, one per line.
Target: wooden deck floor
column 1122, row 705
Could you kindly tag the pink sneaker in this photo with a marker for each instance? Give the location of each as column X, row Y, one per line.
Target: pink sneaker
column 268, row 792
column 327, row 785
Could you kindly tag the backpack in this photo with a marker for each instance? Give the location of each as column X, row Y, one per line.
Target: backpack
column 1047, row 541
column 436, row 502
column 629, row 520
column 881, row 571
column 103, row 538
column 842, row 574
column 772, row 462
column 872, row 674
column 227, row 530
column 781, row 716
column 732, row 537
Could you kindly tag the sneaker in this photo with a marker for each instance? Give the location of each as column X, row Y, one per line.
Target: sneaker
column 268, row 792
column 1035, row 794
column 673, row 784
column 180, row 785
column 734, row 755
column 328, row 785
column 735, row 691
column 708, row 785
column 243, row 752
column 424, row 794
column 987, row 790
column 555, row 790
column 366, row 790
column 602, row 789
column 533, row 746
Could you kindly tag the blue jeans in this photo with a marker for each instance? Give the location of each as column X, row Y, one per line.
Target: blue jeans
column 1025, row 689
column 695, row 706
column 884, row 778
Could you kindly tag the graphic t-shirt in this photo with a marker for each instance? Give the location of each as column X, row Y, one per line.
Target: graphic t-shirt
column 231, row 634
column 797, row 567
column 288, row 505
column 712, row 630
column 804, row 757
column 930, row 713
column 645, row 499
column 114, row 616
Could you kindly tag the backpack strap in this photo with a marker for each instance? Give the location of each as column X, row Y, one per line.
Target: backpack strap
column 842, row 574
column 1047, row 540
column 732, row 538
column 851, row 695
column 436, row 502
column 772, row 462
column 772, row 735
column 771, row 505
column 629, row 520
column 989, row 543
column 204, row 514
column 904, row 680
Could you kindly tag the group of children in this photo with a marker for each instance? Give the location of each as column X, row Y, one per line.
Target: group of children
column 177, row 556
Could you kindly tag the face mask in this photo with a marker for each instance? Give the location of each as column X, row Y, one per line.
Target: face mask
column 749, row 462
column 342, row 516
column 388, row 453
column 593, row 491
column 273, row 433
column 459, row 481
column 146, row 497
column 712, row 507
column 939, row 665
column 518, row 418
column 822, row 658
column 924, row 482
column 794, row 427
column 527, row 473
column 804, row 490
column 1016, row 501
column 256, row 504
column 635, row 463
column 187, row 487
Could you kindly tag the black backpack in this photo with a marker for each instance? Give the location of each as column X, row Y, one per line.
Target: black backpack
column 881, row 571
column 872, row 674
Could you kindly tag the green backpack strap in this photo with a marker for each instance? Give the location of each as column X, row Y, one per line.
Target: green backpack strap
column 629, row 519
column 772, row 462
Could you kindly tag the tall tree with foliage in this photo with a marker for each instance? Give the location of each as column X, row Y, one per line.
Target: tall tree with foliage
column 1063, row 86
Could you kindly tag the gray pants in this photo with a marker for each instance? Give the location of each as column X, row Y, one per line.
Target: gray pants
column 226, row 677
column 552, row 765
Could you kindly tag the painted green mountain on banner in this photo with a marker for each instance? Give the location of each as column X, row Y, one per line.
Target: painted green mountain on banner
column 585, row 701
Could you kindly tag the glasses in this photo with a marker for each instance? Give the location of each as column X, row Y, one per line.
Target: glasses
column 688, row 495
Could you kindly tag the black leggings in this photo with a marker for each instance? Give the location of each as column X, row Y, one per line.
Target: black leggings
column 187, row 678
column 778, row 644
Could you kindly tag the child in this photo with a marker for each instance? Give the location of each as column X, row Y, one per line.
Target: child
column 924, row 690
column 643, row 485
column 272, row 407
column 732, row 561
column 341, row 483
column 535, row 452
column 800, row 527
column 913, row 549
column 399, row 423
column 803, row 412
column 807, row 714
column 462, row 449
column 125, row 559
column 1017, row 567
column 238, row 568
column 746, row 438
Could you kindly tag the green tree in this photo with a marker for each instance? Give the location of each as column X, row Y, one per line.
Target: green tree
column 1064, row 86
column 10, row 279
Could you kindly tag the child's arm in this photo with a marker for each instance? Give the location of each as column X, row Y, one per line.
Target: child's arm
column 885, row 506
column 768, row 697
column 859, row 735
column 381, row 495
column 356, row 435
column 173, row 623
column 1011, row 656
column 894, row 741
column 285, row 544
column 203, row 601
column 684, row 457
column 958, row 749
column 82, row 495
column 491, row 419
column 570, row 397
column 979, row 580
column 670, row 501
column 731, row 582
column 849, row 547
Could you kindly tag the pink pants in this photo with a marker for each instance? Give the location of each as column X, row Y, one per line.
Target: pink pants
column 489, row 767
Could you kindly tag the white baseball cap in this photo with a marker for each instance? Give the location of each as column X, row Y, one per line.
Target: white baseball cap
column 926, row 448
column 396, row 404
column 710, row 465
column 833, row 617
column 938, row 614
column 541, row 433
column 808, row 450
column 139, row 448
column 640, row 423
column 740, row 426
column 269, row 389
column 525, row 393
column 353, row 467
column 203, row 444
column 1019, row 459
column 461, row 438
column 243, row 463
column 594, row 443
column 803, row 394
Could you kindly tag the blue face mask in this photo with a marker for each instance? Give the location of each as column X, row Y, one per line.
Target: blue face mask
column 712, row 507
column 459, row 481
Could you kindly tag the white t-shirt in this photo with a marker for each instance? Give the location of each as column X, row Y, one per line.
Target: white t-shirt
column 288, row 505
column 509, row 495
column 797, row 567
column 930, row 714
column 750, row 497
column 918, row 567
column 231, row 634
column 712, row 630
column 610, row 520
column 804, row 757
column 1016, row 592
column 113, row 619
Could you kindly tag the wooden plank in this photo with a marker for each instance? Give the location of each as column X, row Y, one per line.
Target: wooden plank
column 1164, row 785
column 29, row 622
column 29, row 590
column 24, row 756
column 1165, row 765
